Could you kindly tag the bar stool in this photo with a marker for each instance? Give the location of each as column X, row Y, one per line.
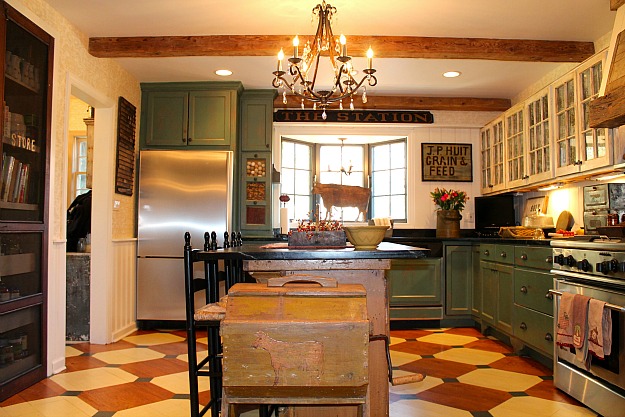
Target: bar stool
column 223, row 267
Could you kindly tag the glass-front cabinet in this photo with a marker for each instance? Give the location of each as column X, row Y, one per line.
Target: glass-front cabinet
column 491, row 137
column 256, row 194
column 539, row 149
column 578, row 146
column 514, row 126
column 26, row 88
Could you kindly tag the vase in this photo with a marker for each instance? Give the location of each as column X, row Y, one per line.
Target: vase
column 448, row 223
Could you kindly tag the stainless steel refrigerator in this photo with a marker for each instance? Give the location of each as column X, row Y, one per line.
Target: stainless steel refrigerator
column 179, row 191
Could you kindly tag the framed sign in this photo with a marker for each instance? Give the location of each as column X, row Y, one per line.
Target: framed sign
column 446, row 162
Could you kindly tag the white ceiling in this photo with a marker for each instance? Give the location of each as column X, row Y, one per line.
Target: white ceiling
column 576, row 20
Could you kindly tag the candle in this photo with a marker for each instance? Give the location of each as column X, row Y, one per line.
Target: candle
column 295, row 45
column 370, row 57
column 284, row 220
column 344, row 44
column 280, row 58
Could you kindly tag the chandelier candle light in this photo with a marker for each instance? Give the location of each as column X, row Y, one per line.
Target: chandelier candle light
column 303, row 71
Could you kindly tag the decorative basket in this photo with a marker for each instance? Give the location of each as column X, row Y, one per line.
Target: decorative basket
column 326, row 238
column 517, row 232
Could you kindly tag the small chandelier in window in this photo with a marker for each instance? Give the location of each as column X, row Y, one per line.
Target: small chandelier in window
column 303, row 71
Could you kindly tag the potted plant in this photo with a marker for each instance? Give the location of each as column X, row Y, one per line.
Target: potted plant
column 449, row 205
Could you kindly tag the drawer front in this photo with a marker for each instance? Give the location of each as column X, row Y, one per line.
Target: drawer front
column 534, row 328
column 531, row 289
column 497, row 253
column 533, row 257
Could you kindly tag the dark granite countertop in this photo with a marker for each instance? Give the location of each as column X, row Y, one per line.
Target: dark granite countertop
column 415, row 240
column 268, row 251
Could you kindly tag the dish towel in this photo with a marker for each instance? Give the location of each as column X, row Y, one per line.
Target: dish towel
column 599, row 329
column 580, row 329
column 564, row 331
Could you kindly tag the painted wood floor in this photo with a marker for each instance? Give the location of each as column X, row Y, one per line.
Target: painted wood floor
column 144, row 374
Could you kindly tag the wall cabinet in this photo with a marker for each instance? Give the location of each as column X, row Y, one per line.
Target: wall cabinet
column 415, row 290
column 27, row 93
column 458, row 271
column 257, row 120
column 492, row 157
column 255, row 194
column 189, row 114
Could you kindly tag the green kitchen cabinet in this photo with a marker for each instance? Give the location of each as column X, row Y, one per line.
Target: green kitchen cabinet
column 476, row 283
column 189, row 114
column 415, row 290
column 257, row 120
column 255, row 220
column 458, row 271
column 497, row 270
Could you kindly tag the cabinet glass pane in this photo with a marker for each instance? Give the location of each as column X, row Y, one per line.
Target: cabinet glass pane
column 20, row 268
column 20, row 342
column 255, row 191
column 256, row 167
column 24, row 133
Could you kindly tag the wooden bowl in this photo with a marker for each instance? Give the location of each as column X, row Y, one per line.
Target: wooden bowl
column 365, row 237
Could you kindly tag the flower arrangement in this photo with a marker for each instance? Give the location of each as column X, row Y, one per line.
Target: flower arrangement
column 310, row 226
column 449, row 199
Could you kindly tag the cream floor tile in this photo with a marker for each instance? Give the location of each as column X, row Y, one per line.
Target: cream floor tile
column 538, row 407
column 469, row 356
column 123, row 356
column 415, row 387
column 402, row 358
column 396, row 340
column 167, row 408
column 419, row 408
column 501, row 380
column 154, row 339
column 71, row 352
column 203, row 340
column 93, row 379
column 447, row 339
column 200, row 355
column 179, row 383
column 50, row 407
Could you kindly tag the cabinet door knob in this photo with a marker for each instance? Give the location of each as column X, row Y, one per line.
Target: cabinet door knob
column 486, row 253
column 549, row 260
column 549, row 296
column 523, row 326
column 524, row 289
column 503, row 254
column 524, row 257
column 189, row 140
column 184, row 140
column 548, row 337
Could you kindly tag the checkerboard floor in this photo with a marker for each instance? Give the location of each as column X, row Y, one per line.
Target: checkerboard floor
column 145, row 374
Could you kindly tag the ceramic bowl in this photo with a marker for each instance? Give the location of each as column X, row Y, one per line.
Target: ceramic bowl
column 365, row 237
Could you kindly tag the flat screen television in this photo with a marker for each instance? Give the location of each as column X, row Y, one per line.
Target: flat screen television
column 494, row 212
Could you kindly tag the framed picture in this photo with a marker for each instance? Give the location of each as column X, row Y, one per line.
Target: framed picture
column 446, row 162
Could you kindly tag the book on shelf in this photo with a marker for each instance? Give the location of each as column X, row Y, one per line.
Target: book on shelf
column 14, row 179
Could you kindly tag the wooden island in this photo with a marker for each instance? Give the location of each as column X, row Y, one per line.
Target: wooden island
column 347, row 266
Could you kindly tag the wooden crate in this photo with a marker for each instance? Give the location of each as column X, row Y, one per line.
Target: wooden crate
column 297, row 343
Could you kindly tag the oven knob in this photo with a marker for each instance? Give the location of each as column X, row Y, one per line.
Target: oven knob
column 603, row 267
column 614, row 265
column 559, row 259
column 570, row 261
column 584, row 265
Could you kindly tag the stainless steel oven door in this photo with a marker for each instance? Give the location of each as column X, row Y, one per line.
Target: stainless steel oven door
column 601, row 388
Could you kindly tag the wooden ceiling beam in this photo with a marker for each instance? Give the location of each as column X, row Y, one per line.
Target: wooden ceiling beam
column 410, row 103
column 383, row 46
column 615, row 4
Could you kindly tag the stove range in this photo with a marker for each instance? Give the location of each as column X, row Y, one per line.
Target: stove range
column 596, row 257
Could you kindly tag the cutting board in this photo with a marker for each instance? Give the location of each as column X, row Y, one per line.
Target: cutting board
column 565, row 221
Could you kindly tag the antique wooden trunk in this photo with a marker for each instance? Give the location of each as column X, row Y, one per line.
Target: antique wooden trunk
column 296, row 342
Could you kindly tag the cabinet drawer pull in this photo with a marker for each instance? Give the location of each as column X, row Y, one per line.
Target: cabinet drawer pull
column 524, row 257
column 523, row 326
column 549, row 260
column 524, row 289
column 503, row 254
column 486, row 253
column 549, row 337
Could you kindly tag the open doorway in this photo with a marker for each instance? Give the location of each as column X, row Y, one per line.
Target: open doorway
column 80, row 140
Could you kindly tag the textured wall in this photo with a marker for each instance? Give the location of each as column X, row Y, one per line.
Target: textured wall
column 71, row 57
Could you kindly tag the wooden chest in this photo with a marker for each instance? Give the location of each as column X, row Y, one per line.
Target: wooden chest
column 299, row 343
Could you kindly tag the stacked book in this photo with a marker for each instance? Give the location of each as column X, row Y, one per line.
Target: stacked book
column 14, row 179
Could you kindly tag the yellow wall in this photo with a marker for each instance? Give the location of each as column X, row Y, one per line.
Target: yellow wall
column 72, row 58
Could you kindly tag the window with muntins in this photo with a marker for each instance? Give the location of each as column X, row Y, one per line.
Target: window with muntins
column 79, row 167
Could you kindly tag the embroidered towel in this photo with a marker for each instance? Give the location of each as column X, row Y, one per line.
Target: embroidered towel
column 564, row 331
column 599, row 328
column 579, row 316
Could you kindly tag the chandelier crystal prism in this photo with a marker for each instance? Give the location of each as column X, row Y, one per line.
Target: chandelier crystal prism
column 302, row 71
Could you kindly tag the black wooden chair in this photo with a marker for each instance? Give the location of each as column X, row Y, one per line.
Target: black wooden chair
column 218, row 266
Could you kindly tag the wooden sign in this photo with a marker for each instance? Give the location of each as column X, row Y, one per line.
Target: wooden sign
column 125, row 162
column 353, row 116
column 446, row 162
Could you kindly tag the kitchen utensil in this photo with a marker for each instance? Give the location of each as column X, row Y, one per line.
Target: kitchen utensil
column 565, row 221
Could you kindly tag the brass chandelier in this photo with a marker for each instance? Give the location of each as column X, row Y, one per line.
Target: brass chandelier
column 303, row 71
